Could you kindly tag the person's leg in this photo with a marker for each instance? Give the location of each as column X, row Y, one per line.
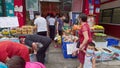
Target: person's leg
column 80, row 66
column 40, row 56
column 41, row 52
column 81, row 57
column 52, row 32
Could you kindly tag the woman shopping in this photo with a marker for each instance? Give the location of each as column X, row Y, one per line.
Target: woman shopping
column 84, row 38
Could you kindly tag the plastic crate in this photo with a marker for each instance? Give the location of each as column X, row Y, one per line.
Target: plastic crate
column 64, row 50
column 112, row 42
column 66, row 55
column 99, row 38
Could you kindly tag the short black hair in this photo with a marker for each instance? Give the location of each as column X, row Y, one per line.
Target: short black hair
column 83, row 17
column 51, row 15
column 37, row 13
column 16, row 62
column 92, row 44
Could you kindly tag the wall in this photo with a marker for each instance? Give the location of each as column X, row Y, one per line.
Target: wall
column 111, row 4
column 112, row 30
column 77, row 5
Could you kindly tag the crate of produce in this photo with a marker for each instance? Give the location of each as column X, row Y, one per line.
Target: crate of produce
column 99, row 37
column 65, row 51
column 112, row 42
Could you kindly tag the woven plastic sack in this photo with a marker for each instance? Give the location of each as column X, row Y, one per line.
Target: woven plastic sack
column 116, row 52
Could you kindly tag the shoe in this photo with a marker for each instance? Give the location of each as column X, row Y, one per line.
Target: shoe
column 56, row 46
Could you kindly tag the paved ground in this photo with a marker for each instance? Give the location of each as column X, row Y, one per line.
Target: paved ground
column 55, row 59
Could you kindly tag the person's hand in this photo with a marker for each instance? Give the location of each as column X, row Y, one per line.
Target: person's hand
column 74, row 53
column 34, row 46
column 7, row 59
column 81, row 48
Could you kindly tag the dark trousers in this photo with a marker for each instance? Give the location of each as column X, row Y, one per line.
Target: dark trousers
column 52, row 32
column 41, row 52
column 44, row 33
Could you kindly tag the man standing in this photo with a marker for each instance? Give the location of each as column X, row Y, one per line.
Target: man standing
column 41, row 25
column 34, row 40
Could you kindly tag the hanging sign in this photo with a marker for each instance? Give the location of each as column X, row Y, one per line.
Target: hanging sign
column 8, row 22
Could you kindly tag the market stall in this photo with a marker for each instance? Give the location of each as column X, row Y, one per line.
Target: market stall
column 10, row 29
column 7, row 24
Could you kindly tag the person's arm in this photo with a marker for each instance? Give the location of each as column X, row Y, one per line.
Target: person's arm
column 94, row 62
column 57, row 24
column 86, row 38
column 47, row 28
column 35, row 28
column 7, row 59
column 35, row 25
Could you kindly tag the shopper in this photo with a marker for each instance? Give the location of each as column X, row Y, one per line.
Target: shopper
column 9, row 49
column 41, row 25
column 33, row 40
column 60, row 24
column 59, row 27
column 84, row 38
column 90, row 60
column 51, row 22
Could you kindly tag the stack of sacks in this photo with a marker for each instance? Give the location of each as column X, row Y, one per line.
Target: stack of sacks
column 116, row 50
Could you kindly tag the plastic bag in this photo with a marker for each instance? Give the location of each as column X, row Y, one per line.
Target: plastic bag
column 58, row 38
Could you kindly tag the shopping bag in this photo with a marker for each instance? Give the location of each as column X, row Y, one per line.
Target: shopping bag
column 58, row 38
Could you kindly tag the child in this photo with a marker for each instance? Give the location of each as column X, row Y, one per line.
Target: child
column 90, row 60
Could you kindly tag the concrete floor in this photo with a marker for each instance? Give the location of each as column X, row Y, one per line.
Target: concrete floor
column 55, row 59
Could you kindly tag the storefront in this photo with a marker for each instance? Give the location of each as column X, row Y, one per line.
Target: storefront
column 49, row 6
column 13, row 8
column 88, row 7
column 109, row 17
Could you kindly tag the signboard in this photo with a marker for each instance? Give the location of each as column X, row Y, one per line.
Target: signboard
column 32, row 5
column 20, row 11
column 8, row 22
column 71, row 48
column 9, row 7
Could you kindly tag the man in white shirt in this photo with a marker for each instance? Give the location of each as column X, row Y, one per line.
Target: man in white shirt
column 41, row 25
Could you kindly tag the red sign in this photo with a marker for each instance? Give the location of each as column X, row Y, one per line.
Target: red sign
column 19, row 5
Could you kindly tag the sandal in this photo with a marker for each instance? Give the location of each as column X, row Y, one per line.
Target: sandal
column 56, row 46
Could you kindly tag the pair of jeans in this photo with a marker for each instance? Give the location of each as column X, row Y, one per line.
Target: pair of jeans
column 42, row 51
